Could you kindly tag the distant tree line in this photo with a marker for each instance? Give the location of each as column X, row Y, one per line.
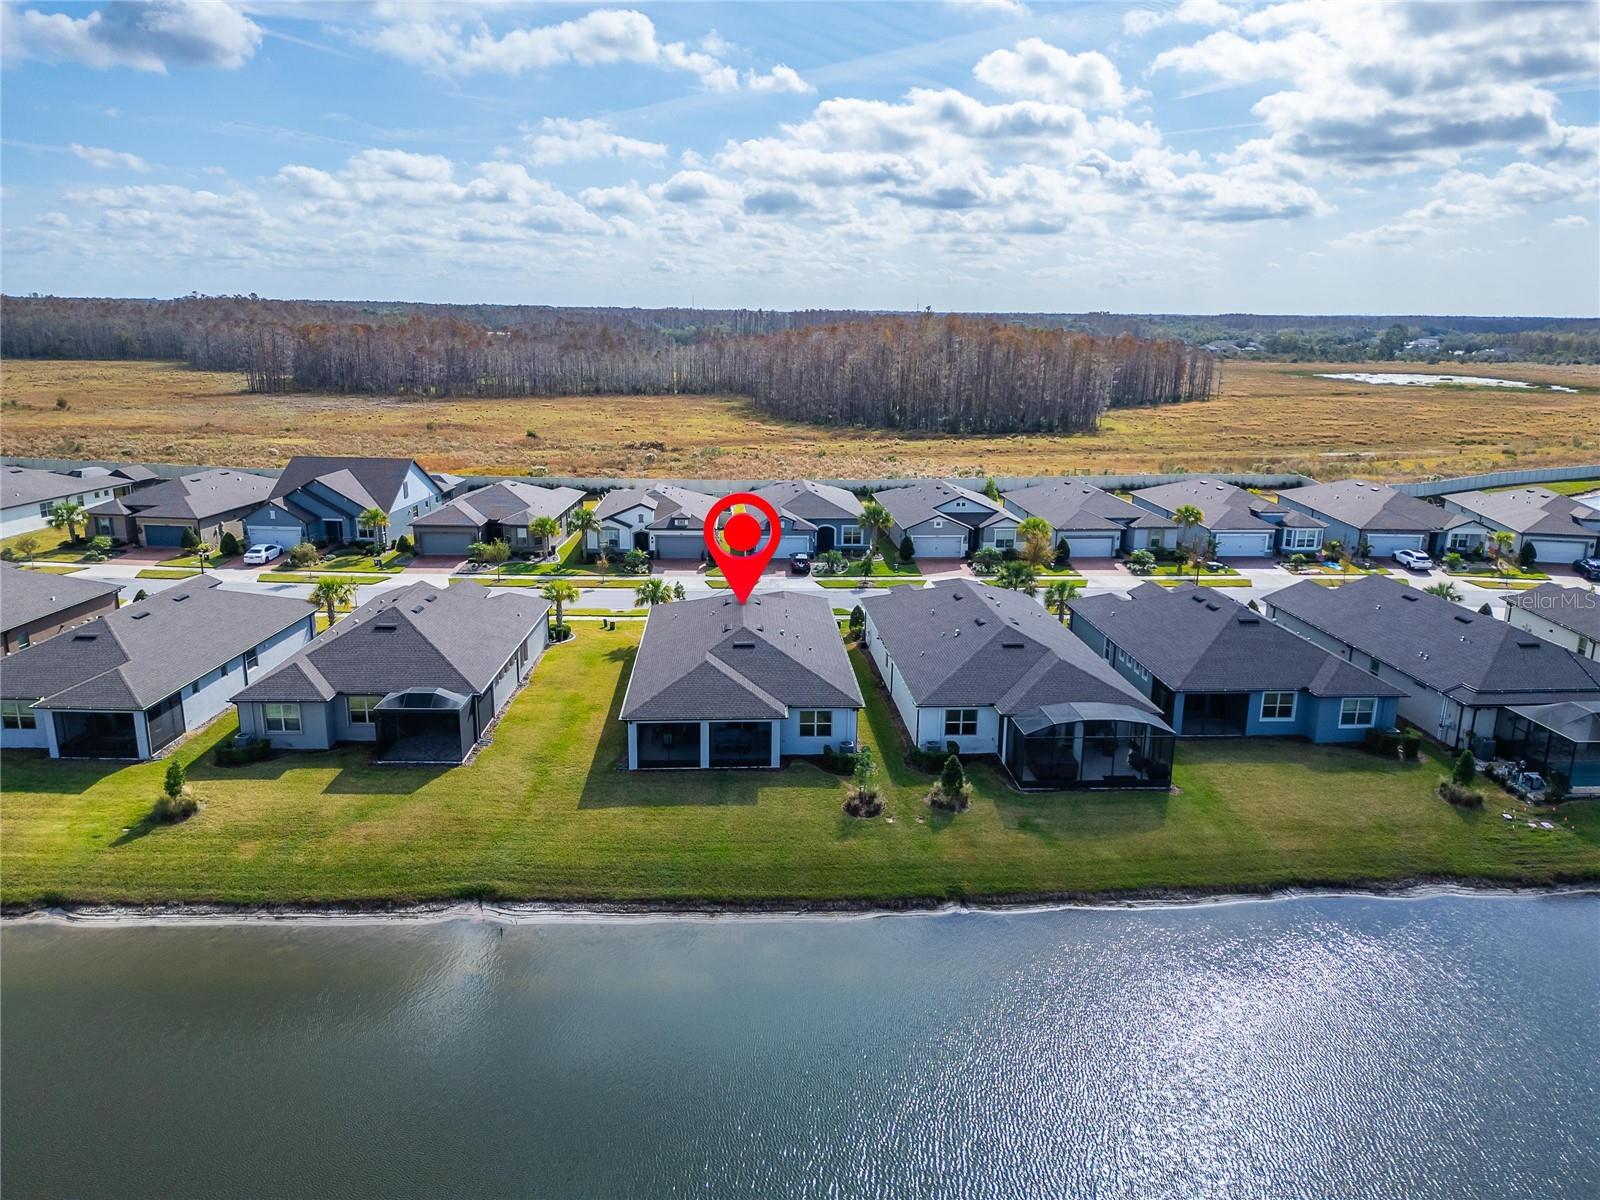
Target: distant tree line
column 923, row 372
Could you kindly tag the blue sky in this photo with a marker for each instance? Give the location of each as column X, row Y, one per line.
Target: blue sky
column 1202, row 156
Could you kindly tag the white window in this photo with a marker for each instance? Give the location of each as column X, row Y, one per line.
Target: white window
column 852, row 535
column 1461, row 541
column 1302, row 539
column 1005, row 541
column 251, row 659
column 817, row 722
column 1277, row 706
column 960, row 722
column 938, row 522
column 16, row 714
column 282, row 718
column 1355, row 712
column 360, row 708
column 415, row 508
column 45, row 507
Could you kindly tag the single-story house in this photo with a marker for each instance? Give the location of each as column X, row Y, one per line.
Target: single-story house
column 1554, row 739
column 27, row 496
column 815, row 517
column 1095, row 523
column 35, row 605
column 127, row 684
column 1567, row 616
column 717, row 683
column 946, row 520
column 1239, row 522
column 1561, row 529
column 1458, row 668
column 320, row 499
column 1358, row 513
column 666, row 520
column 499, row 512
column 420, row 672
column 1215, row 668
column 989, row 671
column 208, row 504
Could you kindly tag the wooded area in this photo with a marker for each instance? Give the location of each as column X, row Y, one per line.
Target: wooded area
column 925, row 372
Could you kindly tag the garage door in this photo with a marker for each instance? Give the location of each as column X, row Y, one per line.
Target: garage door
column 163, row 535
column 1091, row 545
column 1243, row 545
column 1385, row 544
column 1554, row 551
column 444, row 542
column 793, row 543
column 680, row 545
column 942, row 545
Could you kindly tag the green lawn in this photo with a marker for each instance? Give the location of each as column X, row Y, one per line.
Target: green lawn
column 189, row 560
column 48, row 568
column 1563, row 487
column 166, row 573
column 315, row 576
column 545, row 812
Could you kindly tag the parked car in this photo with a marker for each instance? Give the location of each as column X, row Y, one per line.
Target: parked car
column 1214, row 565
column 1413, row 560
column 1589, row 568
column 800, row 564
column 263, row 553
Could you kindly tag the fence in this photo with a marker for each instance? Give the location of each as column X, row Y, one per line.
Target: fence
column 1495, row 479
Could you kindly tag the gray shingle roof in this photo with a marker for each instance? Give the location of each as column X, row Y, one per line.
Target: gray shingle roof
column 380, row 479
column 1577, row 609
column 202, row 496
column 1070, row 506
column 1451, row 649
column 510, row 503
column 811, row 501
column 964, row 643
column 1226, row 508
column 28, row 596
column 920, row 502
column 420, row 636
column 1368, row 506
column 145, row 651
column 1530, row 510
column 665, row 502
column 1195, row 639
column 716, row 659
column 24, row 485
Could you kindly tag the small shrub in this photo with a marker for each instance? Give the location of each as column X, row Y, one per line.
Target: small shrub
column 987, row 560
column 635, row 562
column 836, row 762
column 1453, row 561
column 1527, row 556
column 176, row 778
column 404, row 545
column 532, row 434
column 169, row 810
column 141, row 594
column 303, row 554
column 241, row 751
column 908, row 550
column 7, row 554
column 188, row 539
column 1298, row 563
column 952, row 778
column 561, row 632
column 858, row 619
column 100, row 544
column 1063, row 553
column 61, row 402
column 228, row 545
column 1141, row 562
column 1461, row 797
column 863, row 800
column 1465, row 769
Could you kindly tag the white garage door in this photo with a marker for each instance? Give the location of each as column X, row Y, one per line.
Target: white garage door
column 1091, row 545
column 1556, row 551
column 1385, row 544
column 942, row 545
column 680, row 545
column 271, row 535
column 793, row 543
column 1243, row 545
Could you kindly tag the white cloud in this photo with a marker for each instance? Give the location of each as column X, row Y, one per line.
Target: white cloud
column 1036, row 69
column 1012, row 10
column 1573, row 222
column 561, row 140
column 779, row 79
column 1139, row 21
column 146, row 36
column 109, row 160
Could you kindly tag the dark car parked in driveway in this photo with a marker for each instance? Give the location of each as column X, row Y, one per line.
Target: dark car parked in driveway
column 800, row 564
column 1589, row 568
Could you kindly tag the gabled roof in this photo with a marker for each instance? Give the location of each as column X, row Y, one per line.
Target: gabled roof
column 200, row 497
column 664, row 501
column 24, row 485
column 1577, row 609
column 147, row 650
column 1227, row 509
column 920, row 502
column 29, row 596
column 1070, row 506
column 457, row 638
column 716, row 659
column 1368, row 506
column 963, row 643
column 1195, row 639
column 510, row 503
column 811, row 501
column 1451, row 649
column 371, row 482
column 1530, row 510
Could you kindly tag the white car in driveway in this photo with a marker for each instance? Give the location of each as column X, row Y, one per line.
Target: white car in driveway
column 1413, row 560
column 264, row 553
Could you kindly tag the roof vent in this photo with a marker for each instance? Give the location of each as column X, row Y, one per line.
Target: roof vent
column 386, row 627
column 1212, row 608
column 1409, row 596
column 1011, row 644
column 980, row 620
column 1531, row 644
column 84, row 637
column 181, row 598
column 416, row 608
column 141, row 615
column 744, row 645
column 1249, row 620
column 1464, row 620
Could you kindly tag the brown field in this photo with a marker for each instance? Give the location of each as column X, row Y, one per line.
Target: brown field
column 1268, row 417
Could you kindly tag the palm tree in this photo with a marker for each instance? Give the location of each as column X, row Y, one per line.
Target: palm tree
column 545, row 528
column 875, row 519
column 1033, row 536
column 560, row 593
column 581, row 519
column 1057, row 595
column 1502, row 540
column 332, row 592
column 1444, row 589
column 376, row 520
column 1188, row 517
column 1018, row 576
column 653, row 591
column 68, row 515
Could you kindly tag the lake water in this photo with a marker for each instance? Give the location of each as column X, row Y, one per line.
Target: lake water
column 1319, row 1047
column 1412, row 379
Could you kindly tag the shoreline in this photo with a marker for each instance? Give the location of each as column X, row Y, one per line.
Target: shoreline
column 528, row 912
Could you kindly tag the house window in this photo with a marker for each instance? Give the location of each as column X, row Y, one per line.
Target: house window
column 1583, row 644
column 1372, row 666
column 1355, row 712
column 1277, row 706
column 360, row 708
column 1461, row 541
column 816, row 722
column 16, row 714
column 1302, row 539
column 23, row 641
column 852, row 535
column 251, row 659
column 415, row 508
column 44, row 508
column 961, row 722
column 366, row 533
column 938, row 522
column 1005, row 541
column 282, row 718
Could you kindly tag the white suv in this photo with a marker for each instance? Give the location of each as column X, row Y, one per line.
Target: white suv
column 264, row 553
column 1413, row 560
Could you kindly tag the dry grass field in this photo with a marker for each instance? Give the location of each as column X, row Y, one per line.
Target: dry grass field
column 1269, row 416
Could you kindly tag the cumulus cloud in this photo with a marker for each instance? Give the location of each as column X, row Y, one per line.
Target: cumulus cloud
column 562, row 140
column 1035, row 68
column 109, row 160
column 147, row 35
column 1139, row 21
column 1572, row 222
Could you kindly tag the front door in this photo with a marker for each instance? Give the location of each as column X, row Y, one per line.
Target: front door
column 332, row 531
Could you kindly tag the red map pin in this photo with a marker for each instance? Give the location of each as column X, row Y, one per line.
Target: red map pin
column 736, row 551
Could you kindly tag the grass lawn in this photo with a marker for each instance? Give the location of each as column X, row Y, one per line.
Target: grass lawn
column 1478, row 573
column 545, row 812
column 50, row 568
column 166, row 573
column 315, row 576
column 189, row 560
column 1219, row 580
column 389, row 562
column 1182, row 571
column 1563, row 487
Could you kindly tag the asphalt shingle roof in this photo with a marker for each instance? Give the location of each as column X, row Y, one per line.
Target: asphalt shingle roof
column 1069, row 506
column 1368, row 506
column 147, row 650
column 811, row 501
column 1226, row 508
column 1577, row 609
column 510, row 503
column 1453, row 650
column 376, row 481
column 715, row 659
column 1195, row 639
column 664, row 502
column 963, row 643
column 1530, row 510
column 456, row 638
column 198, row 497
column 920, row 502
column 28, row 596
column 24, row 485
